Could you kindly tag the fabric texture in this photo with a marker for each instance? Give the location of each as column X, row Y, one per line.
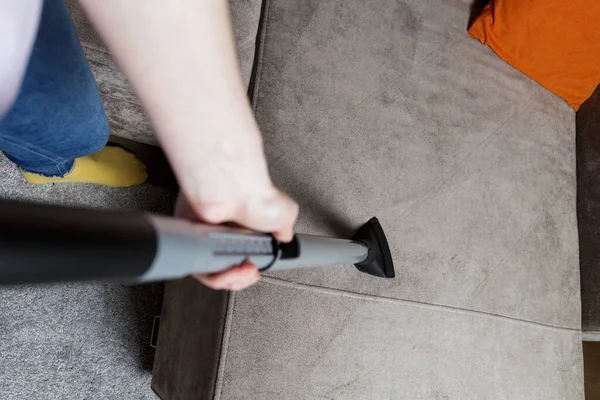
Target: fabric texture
column 289, row 342
column 200, row 312
column 588, row 212
column 554, row 42
column 390, row 109
column 123, row 109
column 58, row 115
column 79, row 341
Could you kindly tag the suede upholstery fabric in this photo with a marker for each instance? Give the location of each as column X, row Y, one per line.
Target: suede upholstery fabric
column 469, row 165
column 390, row 109
column 588, row 212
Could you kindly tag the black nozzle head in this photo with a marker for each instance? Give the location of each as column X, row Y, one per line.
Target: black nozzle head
column 379, row 261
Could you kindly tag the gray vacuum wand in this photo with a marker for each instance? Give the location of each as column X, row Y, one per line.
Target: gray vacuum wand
column 44, row 243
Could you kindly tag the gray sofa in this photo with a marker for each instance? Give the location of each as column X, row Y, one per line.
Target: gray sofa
column 390, row 109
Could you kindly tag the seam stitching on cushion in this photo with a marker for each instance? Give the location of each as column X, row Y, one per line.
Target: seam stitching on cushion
column 261, row 52
column 413, row 303
column 224, row 346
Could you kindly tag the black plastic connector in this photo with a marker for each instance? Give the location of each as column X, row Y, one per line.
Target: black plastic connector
column 379, row 261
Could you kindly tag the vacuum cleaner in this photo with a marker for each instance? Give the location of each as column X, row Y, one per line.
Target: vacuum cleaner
column 48, row 243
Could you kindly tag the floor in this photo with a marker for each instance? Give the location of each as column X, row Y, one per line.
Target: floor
column 79, row 340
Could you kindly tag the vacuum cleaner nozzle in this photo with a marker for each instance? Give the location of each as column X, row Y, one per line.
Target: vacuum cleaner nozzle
column 379, row 261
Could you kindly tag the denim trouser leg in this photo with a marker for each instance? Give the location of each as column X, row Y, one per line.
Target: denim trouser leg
column 58, row 115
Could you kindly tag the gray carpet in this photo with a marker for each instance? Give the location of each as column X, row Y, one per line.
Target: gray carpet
column 78, row 341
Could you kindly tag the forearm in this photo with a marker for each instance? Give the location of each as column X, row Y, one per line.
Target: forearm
column 179, row 55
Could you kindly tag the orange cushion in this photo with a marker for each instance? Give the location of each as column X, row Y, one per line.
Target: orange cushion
column 554, row 42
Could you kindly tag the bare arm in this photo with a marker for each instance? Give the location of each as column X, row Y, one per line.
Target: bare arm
column 179, row 55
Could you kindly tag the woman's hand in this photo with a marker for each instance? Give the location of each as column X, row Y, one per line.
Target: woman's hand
column 270, row 211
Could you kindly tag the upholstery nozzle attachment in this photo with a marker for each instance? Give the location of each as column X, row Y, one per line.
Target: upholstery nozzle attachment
column 379, row 261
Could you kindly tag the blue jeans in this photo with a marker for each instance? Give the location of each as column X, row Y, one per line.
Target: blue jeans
column 58, row 115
